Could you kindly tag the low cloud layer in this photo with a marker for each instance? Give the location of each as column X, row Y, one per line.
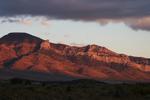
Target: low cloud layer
column 142, row 23
column 87, row 10
column 25, row 20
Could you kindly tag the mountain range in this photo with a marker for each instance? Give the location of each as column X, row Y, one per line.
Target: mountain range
column 25, row 56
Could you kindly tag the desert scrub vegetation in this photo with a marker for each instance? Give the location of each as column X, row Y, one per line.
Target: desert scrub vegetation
column 75, row 90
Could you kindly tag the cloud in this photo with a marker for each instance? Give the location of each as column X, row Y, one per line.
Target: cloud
column 139, row 23
column 86, row 10
column 76, row 44
column 16, row 20
column 66, row 36
column 10, row 20
column 135, row 23
column 45, row 23
column 25, row 20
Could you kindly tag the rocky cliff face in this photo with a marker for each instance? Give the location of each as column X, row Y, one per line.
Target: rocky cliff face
column 24, row 52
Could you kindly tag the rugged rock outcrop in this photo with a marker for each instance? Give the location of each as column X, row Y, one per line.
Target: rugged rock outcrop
column 24, row 52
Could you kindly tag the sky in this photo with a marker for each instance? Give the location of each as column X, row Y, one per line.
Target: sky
column 120, row 25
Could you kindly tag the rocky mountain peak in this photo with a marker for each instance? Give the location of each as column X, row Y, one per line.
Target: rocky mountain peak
column 98, row 50
column 45, row 45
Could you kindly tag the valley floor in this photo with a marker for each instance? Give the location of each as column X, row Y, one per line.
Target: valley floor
column 77, row 90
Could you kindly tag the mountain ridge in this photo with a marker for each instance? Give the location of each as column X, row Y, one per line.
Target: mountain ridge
column 24, row 52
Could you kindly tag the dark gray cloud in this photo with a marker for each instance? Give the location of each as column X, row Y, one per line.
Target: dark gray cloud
column 76, row 9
